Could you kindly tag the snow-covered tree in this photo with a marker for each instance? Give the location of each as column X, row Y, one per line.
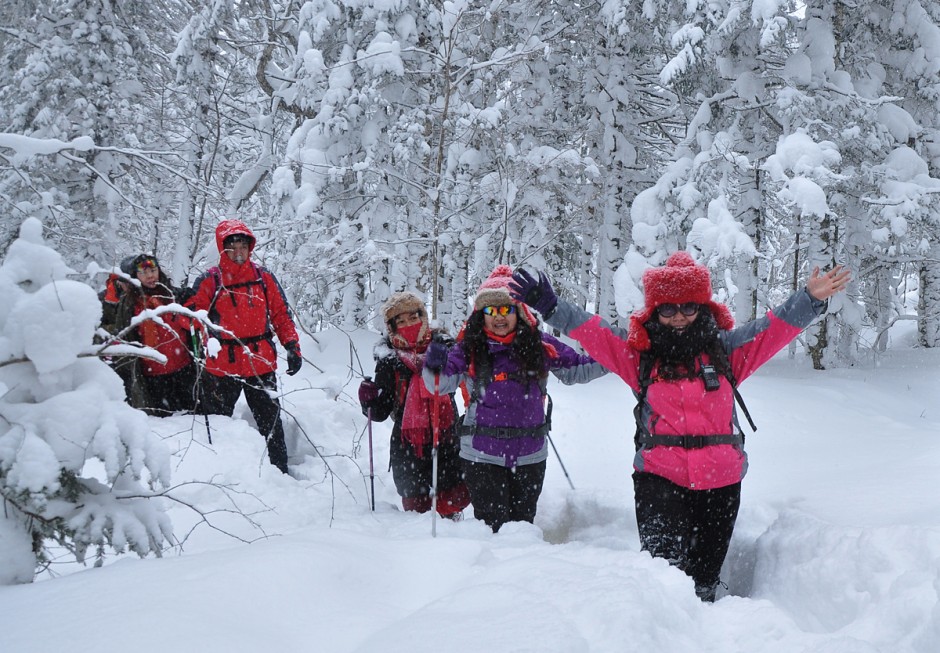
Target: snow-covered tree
column 79, row 468
column 804, row 146
column 426, row 158
column 77, row 75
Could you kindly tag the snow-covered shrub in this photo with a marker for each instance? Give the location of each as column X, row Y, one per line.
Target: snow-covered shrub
column 78, row 466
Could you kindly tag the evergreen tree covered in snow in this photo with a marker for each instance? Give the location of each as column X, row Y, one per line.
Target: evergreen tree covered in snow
column 893, row 57
column 799, row 152
column 863, row 92
column 77, row 75
column 427, row 158
column 78, row 466
column 609, row 80
column 222, row 131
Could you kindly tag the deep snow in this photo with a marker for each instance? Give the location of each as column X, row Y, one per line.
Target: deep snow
column 837, row 548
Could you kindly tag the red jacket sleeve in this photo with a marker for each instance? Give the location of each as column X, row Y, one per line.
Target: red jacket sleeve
column 282, row 321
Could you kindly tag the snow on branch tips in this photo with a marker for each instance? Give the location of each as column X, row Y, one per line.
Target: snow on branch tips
column 26, row 147
column 61, row 408
column 803, row 168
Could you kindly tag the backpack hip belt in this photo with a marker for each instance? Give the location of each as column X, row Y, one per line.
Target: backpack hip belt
column 649, row 440
column 503, row 433
column 244, row 342
column 248, row 340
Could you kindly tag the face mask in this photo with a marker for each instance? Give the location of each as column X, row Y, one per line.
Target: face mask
column 410, row 333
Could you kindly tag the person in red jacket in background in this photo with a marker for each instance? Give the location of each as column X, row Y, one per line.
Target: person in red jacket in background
column 110, row 297
column 246, row 301
column 161, row 388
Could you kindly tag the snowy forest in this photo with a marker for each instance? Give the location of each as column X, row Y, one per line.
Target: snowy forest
column 375, row 145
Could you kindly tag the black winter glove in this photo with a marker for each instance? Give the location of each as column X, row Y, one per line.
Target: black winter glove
column 436, row 356
column 537, row 293
column 294, row 359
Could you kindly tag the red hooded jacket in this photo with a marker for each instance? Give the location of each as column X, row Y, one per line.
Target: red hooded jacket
column 246, row 300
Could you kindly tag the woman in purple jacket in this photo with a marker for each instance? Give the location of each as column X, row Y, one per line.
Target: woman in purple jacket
column 505, row 360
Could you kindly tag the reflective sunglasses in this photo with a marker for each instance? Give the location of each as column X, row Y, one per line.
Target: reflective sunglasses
column 499, row 310
column 149, row 264
column 668, row 310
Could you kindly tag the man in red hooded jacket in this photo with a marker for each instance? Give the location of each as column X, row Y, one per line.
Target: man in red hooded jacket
column 246, row 301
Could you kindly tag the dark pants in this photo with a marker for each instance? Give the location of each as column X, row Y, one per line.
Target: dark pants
column 413, row 475
column 220, row 393
column 171, row 393
column 500, row 494
column 689, row 528
column 128, row 368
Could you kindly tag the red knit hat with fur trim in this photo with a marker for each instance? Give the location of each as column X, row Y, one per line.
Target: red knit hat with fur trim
column 495, row 292
column 680, row 281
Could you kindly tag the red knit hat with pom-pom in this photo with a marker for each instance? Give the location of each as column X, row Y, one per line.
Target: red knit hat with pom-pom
column 680, row 281
column 495, row 292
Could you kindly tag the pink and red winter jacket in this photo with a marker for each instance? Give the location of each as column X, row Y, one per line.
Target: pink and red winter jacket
column 684, row 407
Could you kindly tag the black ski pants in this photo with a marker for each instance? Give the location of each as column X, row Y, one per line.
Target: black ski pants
column 690, row 528
column 413, row 473
column 502, row 494
column 171, row 393
column 220, row 394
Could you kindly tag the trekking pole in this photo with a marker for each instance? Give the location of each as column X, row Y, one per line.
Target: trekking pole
column 371, row 467
column 436, row 428
column 548, row 422
column 559, row 460
column 199, row 390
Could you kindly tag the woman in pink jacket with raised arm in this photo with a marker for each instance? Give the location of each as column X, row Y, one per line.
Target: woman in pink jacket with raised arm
column 683, row 361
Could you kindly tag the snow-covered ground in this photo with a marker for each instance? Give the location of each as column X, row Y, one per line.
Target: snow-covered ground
column 837, row 547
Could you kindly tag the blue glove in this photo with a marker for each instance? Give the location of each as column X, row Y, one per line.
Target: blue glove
column 294, row 359
column 436, row 356
column 537, row 293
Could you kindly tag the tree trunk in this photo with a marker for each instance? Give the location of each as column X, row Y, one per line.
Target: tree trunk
column 928, row 300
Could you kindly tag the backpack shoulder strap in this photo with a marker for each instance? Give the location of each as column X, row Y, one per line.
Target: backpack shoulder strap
column 734, row 388
column 260, row 272
column 216, row 274
column 482, row 375
column 645, row 380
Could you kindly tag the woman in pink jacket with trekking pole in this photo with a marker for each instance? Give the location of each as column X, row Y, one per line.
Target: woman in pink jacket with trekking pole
column 683, row 361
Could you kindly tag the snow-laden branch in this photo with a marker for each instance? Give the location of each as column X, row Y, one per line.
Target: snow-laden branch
column 27, row 147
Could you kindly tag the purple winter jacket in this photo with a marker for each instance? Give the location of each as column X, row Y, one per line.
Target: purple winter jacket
column 510, row 402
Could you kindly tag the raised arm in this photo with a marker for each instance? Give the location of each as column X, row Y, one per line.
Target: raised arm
column 823, row 286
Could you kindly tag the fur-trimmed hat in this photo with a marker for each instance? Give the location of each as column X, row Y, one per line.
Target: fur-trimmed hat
column 495, row 292
column 404, row 302
column 680, row 281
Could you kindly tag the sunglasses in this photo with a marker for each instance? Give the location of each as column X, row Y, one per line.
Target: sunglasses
column 499, row 310
column 149, row 264
column 668, row 310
